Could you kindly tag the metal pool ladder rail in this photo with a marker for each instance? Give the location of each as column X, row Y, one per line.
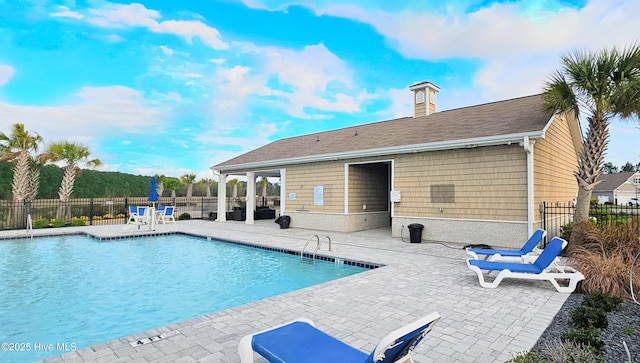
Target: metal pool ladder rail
column 312, row 259
column 29, row 225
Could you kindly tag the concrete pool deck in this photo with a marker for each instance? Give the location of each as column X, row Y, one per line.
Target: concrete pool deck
column 477, row 325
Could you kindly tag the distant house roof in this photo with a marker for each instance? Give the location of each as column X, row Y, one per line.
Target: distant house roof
column 611, row 182
column 496, row 122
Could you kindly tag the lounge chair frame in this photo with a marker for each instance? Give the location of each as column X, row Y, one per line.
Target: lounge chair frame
column 545, row 267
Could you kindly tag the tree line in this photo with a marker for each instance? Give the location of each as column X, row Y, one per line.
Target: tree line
column 111, row 184
column 27, row 174
column 609, row 168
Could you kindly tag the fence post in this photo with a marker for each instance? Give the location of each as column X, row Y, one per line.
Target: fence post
column 91, row 212
column 126, row 209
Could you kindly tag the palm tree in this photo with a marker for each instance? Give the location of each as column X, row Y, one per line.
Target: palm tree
column 188, row 180
column 73, row 154
column 18, row 147
column 172, row 184
column 35, row 166
column 160, row 184
column 604, row 84
column 263, row 183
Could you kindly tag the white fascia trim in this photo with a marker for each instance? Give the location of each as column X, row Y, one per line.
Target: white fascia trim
column 403, row 149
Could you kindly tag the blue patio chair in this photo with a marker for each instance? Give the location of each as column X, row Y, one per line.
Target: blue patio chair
column 495, row 255
column 167, row 214
column 300, row 341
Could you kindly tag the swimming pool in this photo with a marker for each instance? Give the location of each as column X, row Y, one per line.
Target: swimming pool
column 64, row 293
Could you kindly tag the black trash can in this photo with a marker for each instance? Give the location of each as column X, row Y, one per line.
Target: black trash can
column 415, row 232
column 283, row 221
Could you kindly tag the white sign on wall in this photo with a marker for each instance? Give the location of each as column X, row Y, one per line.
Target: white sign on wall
column 318, row 194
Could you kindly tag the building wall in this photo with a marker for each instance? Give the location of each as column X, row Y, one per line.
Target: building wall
column 301, row 180
column 488, row 183
column 627, row 191
column 555, row 162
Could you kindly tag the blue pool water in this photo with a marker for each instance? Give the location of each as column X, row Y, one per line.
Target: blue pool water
column 63, row 293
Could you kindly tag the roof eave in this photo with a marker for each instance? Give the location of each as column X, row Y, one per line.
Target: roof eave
column 403, row 149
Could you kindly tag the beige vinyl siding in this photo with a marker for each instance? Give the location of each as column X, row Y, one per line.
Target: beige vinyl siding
column 555, row 162
column 432, row 108
column 489, row 183
column 420, row 109
column 302, row 178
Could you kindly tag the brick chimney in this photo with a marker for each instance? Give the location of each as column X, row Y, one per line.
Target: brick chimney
column 424, row 98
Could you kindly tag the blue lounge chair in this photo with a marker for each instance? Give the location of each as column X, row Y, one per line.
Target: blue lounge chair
column 496, row 255
column 300, row 341
column 543, row 268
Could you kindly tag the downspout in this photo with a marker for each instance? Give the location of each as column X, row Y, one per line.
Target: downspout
column 528, row 148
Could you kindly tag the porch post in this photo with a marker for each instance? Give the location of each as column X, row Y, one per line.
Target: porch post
column 283, row 191
column 251, row 196
column 222, row 198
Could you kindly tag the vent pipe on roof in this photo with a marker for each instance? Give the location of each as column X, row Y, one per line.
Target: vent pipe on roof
column 424, row 98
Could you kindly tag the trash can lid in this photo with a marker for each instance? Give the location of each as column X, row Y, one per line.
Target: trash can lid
column 416, row 226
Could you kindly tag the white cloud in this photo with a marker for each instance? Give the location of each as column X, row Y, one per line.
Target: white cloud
column 401, row 103
column 137, row 15
column 166, row 50
column 94, row 113
column 65, row 12
column 192, row 28
column 6, row 72
column 518, row 44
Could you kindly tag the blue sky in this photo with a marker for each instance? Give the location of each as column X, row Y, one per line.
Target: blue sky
column 174, row 87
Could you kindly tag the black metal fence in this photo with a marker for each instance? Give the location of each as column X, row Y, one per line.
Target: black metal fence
column 557, row 217
column 102, row 211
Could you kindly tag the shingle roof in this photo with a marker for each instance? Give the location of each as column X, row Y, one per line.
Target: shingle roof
column 610, row 182
column 510, row 117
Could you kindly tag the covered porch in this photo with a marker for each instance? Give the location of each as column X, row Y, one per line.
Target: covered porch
column 251, row 211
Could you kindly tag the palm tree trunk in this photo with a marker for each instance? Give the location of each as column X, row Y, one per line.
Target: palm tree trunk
column 34, row 183
column 66, row 188
column 19, row 188
column 589, row 168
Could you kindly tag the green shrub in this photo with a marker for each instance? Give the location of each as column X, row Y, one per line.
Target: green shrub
column 565, row 231
column 58, row 222
column 184, row 216
column 77, row 222
column 527, row 357
column 601, row 301
column 587, row 316
column 584, row 336
column 39, row 223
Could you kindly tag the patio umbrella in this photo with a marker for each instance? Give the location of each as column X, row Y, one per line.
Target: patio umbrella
column 153, row 195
